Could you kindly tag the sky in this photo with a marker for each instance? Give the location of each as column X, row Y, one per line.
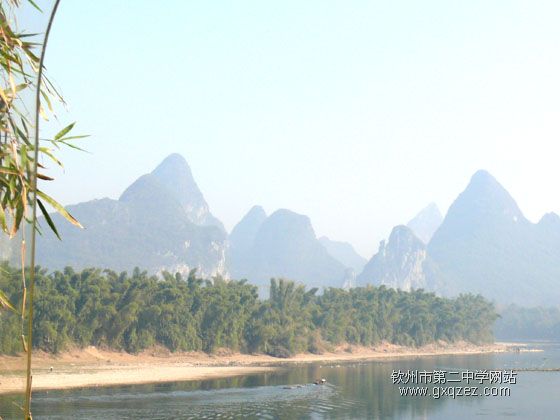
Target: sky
column 357, row 113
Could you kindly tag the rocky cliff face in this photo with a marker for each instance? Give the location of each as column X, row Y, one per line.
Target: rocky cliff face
column 161, row 222
column 484, row 245
column 349, row 280
column 401, row 263
column 173, row 178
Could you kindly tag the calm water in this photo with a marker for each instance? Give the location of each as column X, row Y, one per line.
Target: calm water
column 353, row 391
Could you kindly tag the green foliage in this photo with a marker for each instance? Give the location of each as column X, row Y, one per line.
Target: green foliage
column 281, row 326
column 20, row 78
column 134, row 312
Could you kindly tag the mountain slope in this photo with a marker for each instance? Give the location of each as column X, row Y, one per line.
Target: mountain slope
column 173, row 178
column 426, row 222
column 242, row 238
column 243, row 234
column 160, row 222
column 486, row 245
column 401, row 263
column 344, row 253
column 285, row 246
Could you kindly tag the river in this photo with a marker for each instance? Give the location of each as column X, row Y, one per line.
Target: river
column 352, row 391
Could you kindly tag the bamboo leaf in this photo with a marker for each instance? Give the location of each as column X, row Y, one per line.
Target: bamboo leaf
column 42, row 113
column 47, row 100
column 17, row 220
column 3, row 96
column 49, row 154
column 73, row 137
column 59, row 208
column 5, row 302
column 4, row 170
column 3, row 222
column 12, row 83
column 44, row 177
column 73, row 146
column 48, row 218
column 35, row 5
column 64, row 131
column 22, row 135
column 21, row 86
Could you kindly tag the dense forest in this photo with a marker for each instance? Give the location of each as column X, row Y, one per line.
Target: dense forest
column 137, row 311
column 519, row 323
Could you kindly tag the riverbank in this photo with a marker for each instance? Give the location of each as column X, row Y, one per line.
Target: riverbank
column 92, row 367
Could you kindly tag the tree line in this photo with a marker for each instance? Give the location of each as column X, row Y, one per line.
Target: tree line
column 132, row 312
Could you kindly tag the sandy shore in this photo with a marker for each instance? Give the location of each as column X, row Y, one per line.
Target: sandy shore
column 91, row 367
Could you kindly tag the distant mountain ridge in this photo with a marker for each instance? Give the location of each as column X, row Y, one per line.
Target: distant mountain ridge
column 174, row 176
column 282, row 245
column 484, row 245
column 160, row 222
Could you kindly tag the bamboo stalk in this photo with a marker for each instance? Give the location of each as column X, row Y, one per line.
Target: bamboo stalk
column 28, row 415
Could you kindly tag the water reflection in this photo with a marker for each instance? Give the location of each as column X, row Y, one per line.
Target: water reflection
column 353, row 390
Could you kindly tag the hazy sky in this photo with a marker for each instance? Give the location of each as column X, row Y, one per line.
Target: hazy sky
column 355, row 113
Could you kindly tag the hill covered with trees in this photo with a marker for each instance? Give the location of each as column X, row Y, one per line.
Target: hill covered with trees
column 134, row 312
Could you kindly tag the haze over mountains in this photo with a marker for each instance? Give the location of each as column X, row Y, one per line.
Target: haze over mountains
column 484, row 245
column 162, row 222
column 425, row 223
column 402, row 263
column 345, row 253
column 283, row 244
